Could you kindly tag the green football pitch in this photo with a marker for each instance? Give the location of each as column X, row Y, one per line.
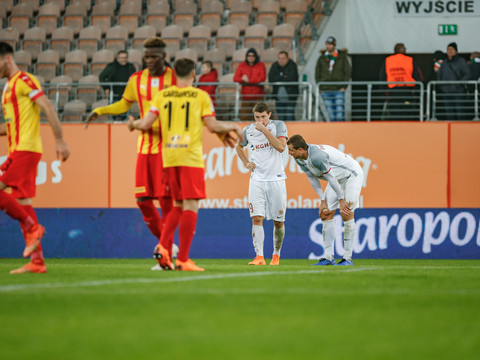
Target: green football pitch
column 119, row 309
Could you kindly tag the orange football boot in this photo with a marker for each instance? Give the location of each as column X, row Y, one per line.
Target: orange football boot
column 35, row 266
column 259, row 260
column 163, row 257
column 275, row 260
column 188, row 265
column 32, row 239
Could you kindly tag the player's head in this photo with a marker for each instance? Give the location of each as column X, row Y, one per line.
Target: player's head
column 154, row 55
column 297, row 147
column 184, row 69
column 6, row 59
column 261, row 113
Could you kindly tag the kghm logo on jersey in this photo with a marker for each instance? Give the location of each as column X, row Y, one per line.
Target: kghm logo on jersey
column 262, row 146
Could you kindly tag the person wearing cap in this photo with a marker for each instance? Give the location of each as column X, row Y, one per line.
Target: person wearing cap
column 333, row 66
column 454, row 68
column 399, row 67
column 249, row 74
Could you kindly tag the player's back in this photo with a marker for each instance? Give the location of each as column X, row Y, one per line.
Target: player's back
column 342, row 164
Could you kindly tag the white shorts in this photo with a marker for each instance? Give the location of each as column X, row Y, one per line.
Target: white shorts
column 268, row 199
column 351, row 189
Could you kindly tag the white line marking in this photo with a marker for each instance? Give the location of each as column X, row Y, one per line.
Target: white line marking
column 16, row 287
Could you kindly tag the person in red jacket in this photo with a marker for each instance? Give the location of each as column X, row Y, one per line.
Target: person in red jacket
column 209, row 75
column 250, row 73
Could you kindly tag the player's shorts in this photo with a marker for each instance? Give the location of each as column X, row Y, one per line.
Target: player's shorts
column 268, row 199
column 149, row 177
column 351, row 187
column 186, row 183
column 19, row 172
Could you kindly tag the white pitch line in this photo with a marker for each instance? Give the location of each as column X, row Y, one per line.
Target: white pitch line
column 16, row 287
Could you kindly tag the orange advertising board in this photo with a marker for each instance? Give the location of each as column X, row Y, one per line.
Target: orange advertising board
column 405, row 165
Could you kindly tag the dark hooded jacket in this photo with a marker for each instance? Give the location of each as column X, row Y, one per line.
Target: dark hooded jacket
column 282, row 74
column 256, row 74
column 341, row 70
column 114, row 72
column 453, row 69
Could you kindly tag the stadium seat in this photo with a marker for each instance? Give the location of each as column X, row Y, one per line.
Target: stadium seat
column 282, row 36
column 237, row 58
column 33, row 40
column 11, row 36
column 47, row 64
column 185, row 14
column 60, row 3
column 7, row 5
column 60, row 94
column 269, row 56
column 211, row 14
column 100, row 59
column 34, row 4
column 75, row 15
column 255, row 37
column 198, row 39
column 136, row 58
column 74, row 111
column 172, row 35
column 62, row 40
column 141, row 34
column 295, row 11
column 75, row 64
column 268, row 12
column 116, row 38
column 157, row 14
column 102, row 15
column 20, row 17
column 48, row 16
column 239, row 15
column 187, row 53
column 89, row 39
column 227, row 38
column 88, row 89
column 217, row 57
column 23, row 59
column 129, row 15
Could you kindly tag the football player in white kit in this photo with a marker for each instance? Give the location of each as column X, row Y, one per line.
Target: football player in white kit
column 267, row 194
column 345, row 179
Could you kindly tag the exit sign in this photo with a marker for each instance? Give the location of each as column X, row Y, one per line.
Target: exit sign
column 447, row 29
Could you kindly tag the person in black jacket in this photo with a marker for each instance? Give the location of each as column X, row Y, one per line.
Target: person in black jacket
column 454, row 68
column 117, row 71
column 285, row 95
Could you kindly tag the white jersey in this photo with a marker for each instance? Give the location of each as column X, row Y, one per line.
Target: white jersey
column 268, row 161
column 324, row 158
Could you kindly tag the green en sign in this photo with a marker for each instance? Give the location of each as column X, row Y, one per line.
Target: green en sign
column 447, row 29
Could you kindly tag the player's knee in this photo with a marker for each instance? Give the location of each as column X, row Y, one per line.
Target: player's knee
column 349, row 228
column 257, row 220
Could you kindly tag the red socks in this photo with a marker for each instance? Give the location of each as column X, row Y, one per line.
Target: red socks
column 169, row 227
column 186, row 232
column 151, row 217
column 13, row 209
column 166, row 204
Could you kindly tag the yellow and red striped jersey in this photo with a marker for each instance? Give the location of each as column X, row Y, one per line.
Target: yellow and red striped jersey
column 21, row 113
column 181, row 112
column 142, row 88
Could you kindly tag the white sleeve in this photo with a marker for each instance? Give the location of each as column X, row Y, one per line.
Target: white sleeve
column 332, row 180
column 316, row 186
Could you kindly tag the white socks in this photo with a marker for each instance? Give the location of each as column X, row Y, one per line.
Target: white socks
column 328, row 233
column 258, row 236
column 348, row 236
column 278, row 235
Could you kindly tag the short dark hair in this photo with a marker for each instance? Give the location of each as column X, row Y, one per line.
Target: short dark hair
column 5, row 48
column 399, row 48
column 208, row 63
column 298, row 142
column 154, row 42
column 122, row 52
column 184, row 67
column 261, row 107
column 284, row 53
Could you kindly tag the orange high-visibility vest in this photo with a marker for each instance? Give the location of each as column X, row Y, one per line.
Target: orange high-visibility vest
column 399, row 67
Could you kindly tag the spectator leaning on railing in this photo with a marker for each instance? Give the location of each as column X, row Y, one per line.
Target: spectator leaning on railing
column 119, row 70
column 209, row 75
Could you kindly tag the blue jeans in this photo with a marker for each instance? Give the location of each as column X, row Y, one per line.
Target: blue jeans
column 335, row 104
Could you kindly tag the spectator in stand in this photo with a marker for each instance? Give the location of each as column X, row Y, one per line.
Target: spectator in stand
column 438, row 58
column 284, row 70
column 454, row 68
column 249, row 74
column 117, row 71
column 333, row 66
column 209, row 75
column 474, row 67
column 402, row 99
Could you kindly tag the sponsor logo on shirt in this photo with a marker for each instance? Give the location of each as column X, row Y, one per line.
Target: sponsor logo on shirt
column 262, row 146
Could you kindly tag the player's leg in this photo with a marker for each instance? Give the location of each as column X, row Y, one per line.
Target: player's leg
column 275, row 209
column 257, row 204
column 328, row 228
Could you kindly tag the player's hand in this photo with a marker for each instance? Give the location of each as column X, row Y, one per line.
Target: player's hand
column 63, row 152
column 260, row 127
column 250, row 165
column 91, row 117
column 229, row 139
column 345, row 208
column 323, row 211
column 130, row 121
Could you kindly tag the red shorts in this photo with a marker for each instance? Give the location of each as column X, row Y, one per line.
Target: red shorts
column 149, row 178
column 19, row 172
column 186, row 183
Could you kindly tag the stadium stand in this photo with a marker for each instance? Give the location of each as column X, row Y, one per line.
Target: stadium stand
column 157, row 14
column 268, row 13
column 240, row 11
column 11, row 36
column 211, row 14
column 129, row 15
column 20, row 17
column 255, row 37
column 89, row 39
column 88, row 89
column 75, row 16
column 102, row 15
column 116, row 38
column 60, row 94
column 75, row 64
column 74, row 111
column 295, row 11
column 100, row 59
column 23, row 59
column 135, row 56
column 198, row 39
column 48, row 15
column 33, row 41
column 185, row 14
column 217, row 57
column 173, row 36
column 60, row 3
column 187, row 53
column 238, row 57
column 62, row 40
column 227, row 38
column 141, row 34
column 282, row 36
column 48, row 62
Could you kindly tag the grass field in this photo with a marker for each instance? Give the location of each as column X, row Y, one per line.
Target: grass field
column 119, row 309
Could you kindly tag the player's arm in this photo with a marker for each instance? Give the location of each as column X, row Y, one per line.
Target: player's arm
column 278, row 143
column 223, row 129
column 117, row 108
column 63, row 152
column 332, row 180
column 144, row 123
